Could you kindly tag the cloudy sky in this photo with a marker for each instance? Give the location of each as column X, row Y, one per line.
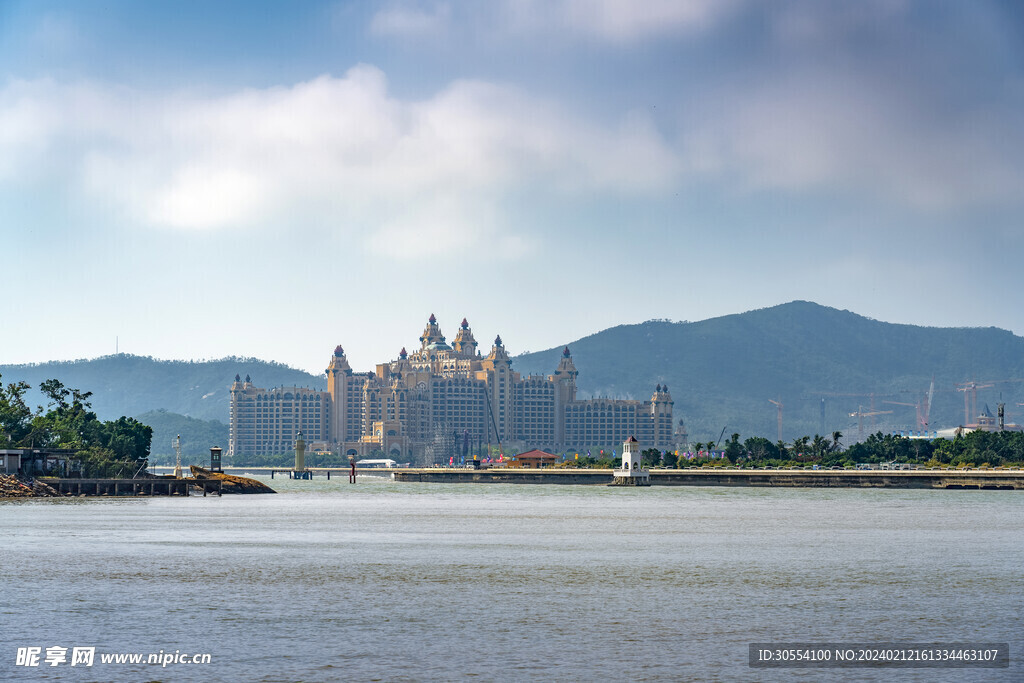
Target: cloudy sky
column 198, row 179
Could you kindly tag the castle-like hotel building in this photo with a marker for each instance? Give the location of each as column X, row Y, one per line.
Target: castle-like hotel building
column 420, row 406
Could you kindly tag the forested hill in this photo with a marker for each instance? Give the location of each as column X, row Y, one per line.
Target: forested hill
column 132, row 385
column 723, row 371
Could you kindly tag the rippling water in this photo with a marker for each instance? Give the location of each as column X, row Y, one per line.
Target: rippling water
column 389, row 581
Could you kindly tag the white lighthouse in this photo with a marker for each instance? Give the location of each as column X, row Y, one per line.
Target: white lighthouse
column 631, row 472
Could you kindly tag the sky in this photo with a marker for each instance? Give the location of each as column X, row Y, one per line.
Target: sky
column 195, row 180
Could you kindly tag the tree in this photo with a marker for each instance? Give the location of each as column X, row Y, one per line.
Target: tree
column 836, row 436
column 733, row 449
column 651, row 457
column 15, row 415
column 819, row 447
column 127, row 438
column 105, row 448
column 760, row 448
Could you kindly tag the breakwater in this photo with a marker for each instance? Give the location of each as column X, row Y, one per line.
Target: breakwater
column 899, row 479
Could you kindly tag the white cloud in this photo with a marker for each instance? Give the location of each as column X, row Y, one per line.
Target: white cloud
column 411, row 20
column 859, row 136
column 622, row 21
column 338, row 151
column 611, row 21
column 446, row 225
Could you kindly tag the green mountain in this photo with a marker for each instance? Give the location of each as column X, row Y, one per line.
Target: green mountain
column 133, row 385
column 197, row 436
column 721, row 372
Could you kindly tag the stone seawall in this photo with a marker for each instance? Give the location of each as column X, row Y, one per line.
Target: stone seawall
column 902, row 479
column 505, row 476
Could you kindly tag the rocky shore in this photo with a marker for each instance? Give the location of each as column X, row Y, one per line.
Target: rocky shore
column 13, row 486
column 231, row 483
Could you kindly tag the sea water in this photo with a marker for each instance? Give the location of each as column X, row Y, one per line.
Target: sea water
column 412, row 581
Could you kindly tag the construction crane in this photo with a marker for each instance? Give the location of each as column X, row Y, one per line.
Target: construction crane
column 779, row 404
column 870, row 395
column 970, row 390
column 923, row 406
column 720, row 437
column 911, row 405
column 928, row 404
column 860, row 415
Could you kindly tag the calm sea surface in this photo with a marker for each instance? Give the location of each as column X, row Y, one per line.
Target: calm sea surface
column 390, row 581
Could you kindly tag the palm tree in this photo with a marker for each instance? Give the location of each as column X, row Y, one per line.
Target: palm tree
column 819, row 446
column 835, row 440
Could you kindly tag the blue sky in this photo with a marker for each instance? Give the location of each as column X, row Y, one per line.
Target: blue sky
column 202, row 179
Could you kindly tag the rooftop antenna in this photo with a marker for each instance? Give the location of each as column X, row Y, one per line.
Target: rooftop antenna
column 177, row 452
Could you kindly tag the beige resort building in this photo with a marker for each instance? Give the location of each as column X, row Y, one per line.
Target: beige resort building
column 427, row 405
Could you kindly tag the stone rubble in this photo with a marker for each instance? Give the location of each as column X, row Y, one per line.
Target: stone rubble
column 13, row 486
column 231, row 483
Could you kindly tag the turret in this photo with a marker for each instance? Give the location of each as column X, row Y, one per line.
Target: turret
column 339, row 363
column 661, row 395
column 681, row 437
column 465, row 344
column 431, row 334
column 338, row 371
column 498, row 352
column 661, row 412
column 564, row 379
column 402, row 366
column 565, row 376
column 500, row 379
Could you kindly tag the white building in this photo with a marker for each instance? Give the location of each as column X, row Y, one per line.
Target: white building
column 631, row 472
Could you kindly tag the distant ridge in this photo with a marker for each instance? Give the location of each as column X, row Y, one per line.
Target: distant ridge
column 124, row 384
column 721, row 372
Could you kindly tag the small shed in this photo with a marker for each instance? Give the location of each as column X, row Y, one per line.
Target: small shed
column 10, row 461
column 536, row 459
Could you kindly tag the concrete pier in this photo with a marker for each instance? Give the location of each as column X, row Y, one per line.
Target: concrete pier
column 159, row 486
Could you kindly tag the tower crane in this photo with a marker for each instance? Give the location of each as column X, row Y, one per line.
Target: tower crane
column 972, row 387
column 970, row 390
column 925, row 404
column 871, row 395
column 860, row 415
column 911, row 405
